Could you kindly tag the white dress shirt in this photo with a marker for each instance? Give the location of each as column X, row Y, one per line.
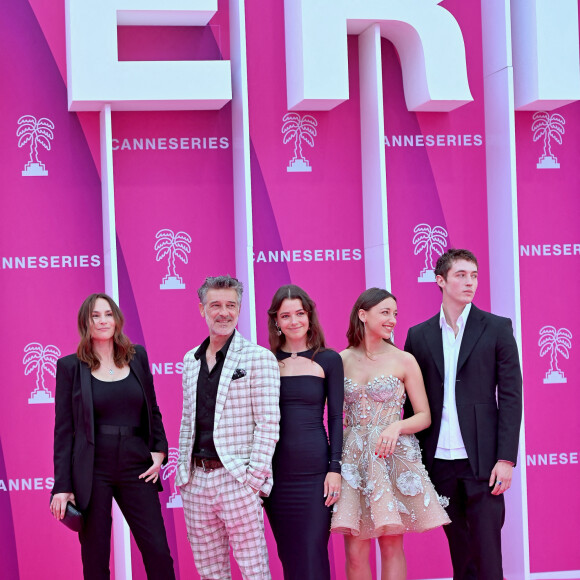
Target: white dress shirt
column 450, row 444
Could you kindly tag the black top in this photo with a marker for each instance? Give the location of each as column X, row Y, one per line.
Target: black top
column 74, row 433
column 333, row 394
column 118, row 402
column 207, row 388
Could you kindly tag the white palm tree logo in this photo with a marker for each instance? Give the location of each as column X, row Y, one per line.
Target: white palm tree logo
column 555, row 342
column 549, row 127
column 300, row 128
column 169, row 469
column 42, row 359
column 429, row 240
column 172, row 246
column 33, row 131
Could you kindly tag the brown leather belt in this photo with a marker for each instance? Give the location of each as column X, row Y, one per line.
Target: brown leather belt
column 208, row 464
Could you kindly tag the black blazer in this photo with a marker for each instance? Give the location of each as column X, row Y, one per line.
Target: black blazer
column 488, row 392
column 74, row 429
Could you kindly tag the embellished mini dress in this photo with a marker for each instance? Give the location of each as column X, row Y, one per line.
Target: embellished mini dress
column 304, row 455
column 382, row 496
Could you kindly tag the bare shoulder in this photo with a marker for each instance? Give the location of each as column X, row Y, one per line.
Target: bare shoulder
column 347, row 354
column 351, row 360
column 406, row 358
column 403, row 363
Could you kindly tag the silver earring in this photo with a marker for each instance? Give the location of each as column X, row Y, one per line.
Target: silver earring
column 278, row 331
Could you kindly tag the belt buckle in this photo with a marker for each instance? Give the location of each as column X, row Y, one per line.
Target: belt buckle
column 205, row 470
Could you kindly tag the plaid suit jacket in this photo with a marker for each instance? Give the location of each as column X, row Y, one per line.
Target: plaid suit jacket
column 247, row 414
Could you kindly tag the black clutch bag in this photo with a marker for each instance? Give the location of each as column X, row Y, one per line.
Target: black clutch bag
column 73, row 518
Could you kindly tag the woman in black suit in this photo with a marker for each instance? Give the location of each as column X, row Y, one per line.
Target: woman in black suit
column 109, row 441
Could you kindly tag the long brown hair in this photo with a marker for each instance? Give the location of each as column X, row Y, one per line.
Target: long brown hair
column 315, row 336
column 356, row 328
column 123, row 349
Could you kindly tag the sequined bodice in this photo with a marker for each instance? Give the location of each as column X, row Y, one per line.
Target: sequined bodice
column 377, row 403
column 382, row 494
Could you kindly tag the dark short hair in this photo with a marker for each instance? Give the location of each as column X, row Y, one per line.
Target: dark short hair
column 218, row 282
column 123, row 349
column 369, row 298
column 446, row 261
column 315, row 337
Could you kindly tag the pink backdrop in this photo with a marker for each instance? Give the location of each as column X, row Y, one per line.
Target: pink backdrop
column 173, row 177
column 549, row 254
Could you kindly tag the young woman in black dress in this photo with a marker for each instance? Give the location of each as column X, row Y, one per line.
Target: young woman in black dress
column 306, row 464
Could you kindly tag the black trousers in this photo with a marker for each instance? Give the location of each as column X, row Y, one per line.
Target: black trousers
column 477, row 516
column 119, row 461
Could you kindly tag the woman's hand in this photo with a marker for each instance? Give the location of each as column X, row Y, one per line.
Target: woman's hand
column 331, row 488
column 152, row 474
column 58, row 504
column 388, row 440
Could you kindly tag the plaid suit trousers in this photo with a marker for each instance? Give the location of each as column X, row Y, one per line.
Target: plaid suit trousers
column 219, row 512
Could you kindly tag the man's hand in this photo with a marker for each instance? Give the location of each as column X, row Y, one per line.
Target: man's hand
column 501, row 477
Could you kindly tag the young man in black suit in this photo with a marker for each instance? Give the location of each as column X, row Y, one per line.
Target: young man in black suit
column 470, row 365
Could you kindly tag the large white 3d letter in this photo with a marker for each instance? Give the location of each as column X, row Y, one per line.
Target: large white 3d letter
column 95, row 76
column 545, row 53
column 427, row 37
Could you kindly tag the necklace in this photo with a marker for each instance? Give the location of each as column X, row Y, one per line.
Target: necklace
column 110, row 367
column 292, row 354
column 374, row 355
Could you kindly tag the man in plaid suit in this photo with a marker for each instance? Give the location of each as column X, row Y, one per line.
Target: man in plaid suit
column 229, row 430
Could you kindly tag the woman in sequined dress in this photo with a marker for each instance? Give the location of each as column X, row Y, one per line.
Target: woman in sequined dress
column 306, row 463
column 385, row 488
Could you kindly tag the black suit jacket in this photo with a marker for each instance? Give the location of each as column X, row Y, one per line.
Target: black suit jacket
column 74, row 428
column 488, row 391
